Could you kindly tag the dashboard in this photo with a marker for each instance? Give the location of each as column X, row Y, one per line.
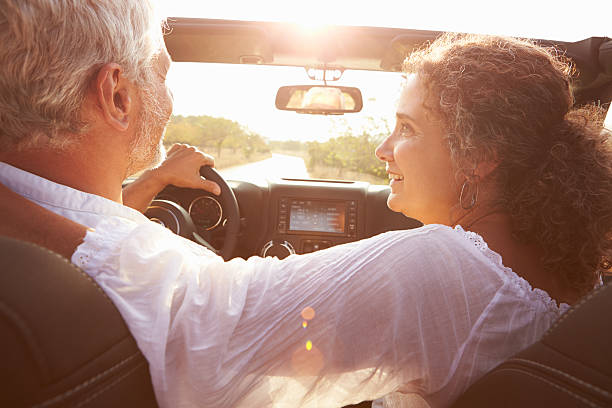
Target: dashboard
column 286, row 216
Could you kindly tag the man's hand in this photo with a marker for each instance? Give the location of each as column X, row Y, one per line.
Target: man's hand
column 181, row 168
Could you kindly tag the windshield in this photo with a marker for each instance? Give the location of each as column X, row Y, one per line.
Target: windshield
column 229, row 112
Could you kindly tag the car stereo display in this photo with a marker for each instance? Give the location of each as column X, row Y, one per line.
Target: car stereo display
column 317, row 216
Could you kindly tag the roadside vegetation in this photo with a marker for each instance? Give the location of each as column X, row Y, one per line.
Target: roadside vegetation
column 349, row 156
column 229, row 142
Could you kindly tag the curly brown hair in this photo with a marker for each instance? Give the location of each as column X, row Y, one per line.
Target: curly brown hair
column 510, row 100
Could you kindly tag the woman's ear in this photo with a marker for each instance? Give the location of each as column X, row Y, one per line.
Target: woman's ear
column 486, row 167
column 113, row 96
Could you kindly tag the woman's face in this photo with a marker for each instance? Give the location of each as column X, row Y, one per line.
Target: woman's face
column 421, row 174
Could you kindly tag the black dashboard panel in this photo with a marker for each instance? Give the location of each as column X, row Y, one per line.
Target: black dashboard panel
column 284, row 216
column 308, row 215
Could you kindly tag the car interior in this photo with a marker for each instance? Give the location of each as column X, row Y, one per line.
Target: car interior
column 64, row 343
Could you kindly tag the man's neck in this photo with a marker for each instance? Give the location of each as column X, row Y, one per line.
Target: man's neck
column 91, row 173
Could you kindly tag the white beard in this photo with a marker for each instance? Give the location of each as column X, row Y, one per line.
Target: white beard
column 144, row 154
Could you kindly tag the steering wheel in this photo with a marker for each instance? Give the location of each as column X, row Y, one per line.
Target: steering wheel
column 175, row 218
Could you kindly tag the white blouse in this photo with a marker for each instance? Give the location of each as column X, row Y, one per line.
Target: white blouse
column 424, row 311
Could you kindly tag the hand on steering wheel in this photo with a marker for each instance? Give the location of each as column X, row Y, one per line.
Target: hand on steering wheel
column 178, row 220
column 181, row 168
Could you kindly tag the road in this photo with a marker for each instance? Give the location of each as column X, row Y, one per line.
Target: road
column 279, row 165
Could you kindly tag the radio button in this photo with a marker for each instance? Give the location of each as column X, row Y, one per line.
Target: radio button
column 310, row 245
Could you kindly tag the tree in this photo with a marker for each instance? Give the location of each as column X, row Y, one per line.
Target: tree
column 350, row 151
column 206, row 132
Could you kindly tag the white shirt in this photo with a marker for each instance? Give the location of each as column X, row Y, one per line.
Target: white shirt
column 424, row 311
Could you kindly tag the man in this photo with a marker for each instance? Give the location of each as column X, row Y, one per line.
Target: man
column 95, row 115
column 89, row 123
column 83, row 104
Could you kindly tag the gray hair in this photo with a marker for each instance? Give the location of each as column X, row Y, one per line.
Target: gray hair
column 51, row 49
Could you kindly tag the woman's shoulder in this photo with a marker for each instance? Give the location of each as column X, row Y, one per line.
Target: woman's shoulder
column 462, row 255
column 434, row 236
column 438, row 252
column 428, row 250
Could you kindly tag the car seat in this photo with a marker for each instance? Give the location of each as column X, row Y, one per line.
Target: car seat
column 63, row 342
column 571, row 366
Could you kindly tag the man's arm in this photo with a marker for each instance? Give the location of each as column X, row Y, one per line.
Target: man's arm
column 227, row 334
column 23, row 220
column 181, row 168
column 334, row 327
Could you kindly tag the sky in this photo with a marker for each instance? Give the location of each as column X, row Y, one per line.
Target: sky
column 246, row 93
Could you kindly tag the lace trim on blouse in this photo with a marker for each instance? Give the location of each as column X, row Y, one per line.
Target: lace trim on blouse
column 517, row 280
column 85, row 256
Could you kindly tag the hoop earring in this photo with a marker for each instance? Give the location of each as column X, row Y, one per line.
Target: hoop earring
column 469, row 191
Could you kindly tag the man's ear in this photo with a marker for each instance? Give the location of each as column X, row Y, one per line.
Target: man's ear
column 113, row 95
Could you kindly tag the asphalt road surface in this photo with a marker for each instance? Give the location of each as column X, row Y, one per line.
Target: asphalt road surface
column 279, row 165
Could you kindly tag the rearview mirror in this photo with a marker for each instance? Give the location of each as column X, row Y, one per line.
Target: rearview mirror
column 319, row 99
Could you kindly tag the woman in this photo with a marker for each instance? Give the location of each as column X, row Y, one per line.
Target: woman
column 515, row 190
column 492, row 124
column 490, row 120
